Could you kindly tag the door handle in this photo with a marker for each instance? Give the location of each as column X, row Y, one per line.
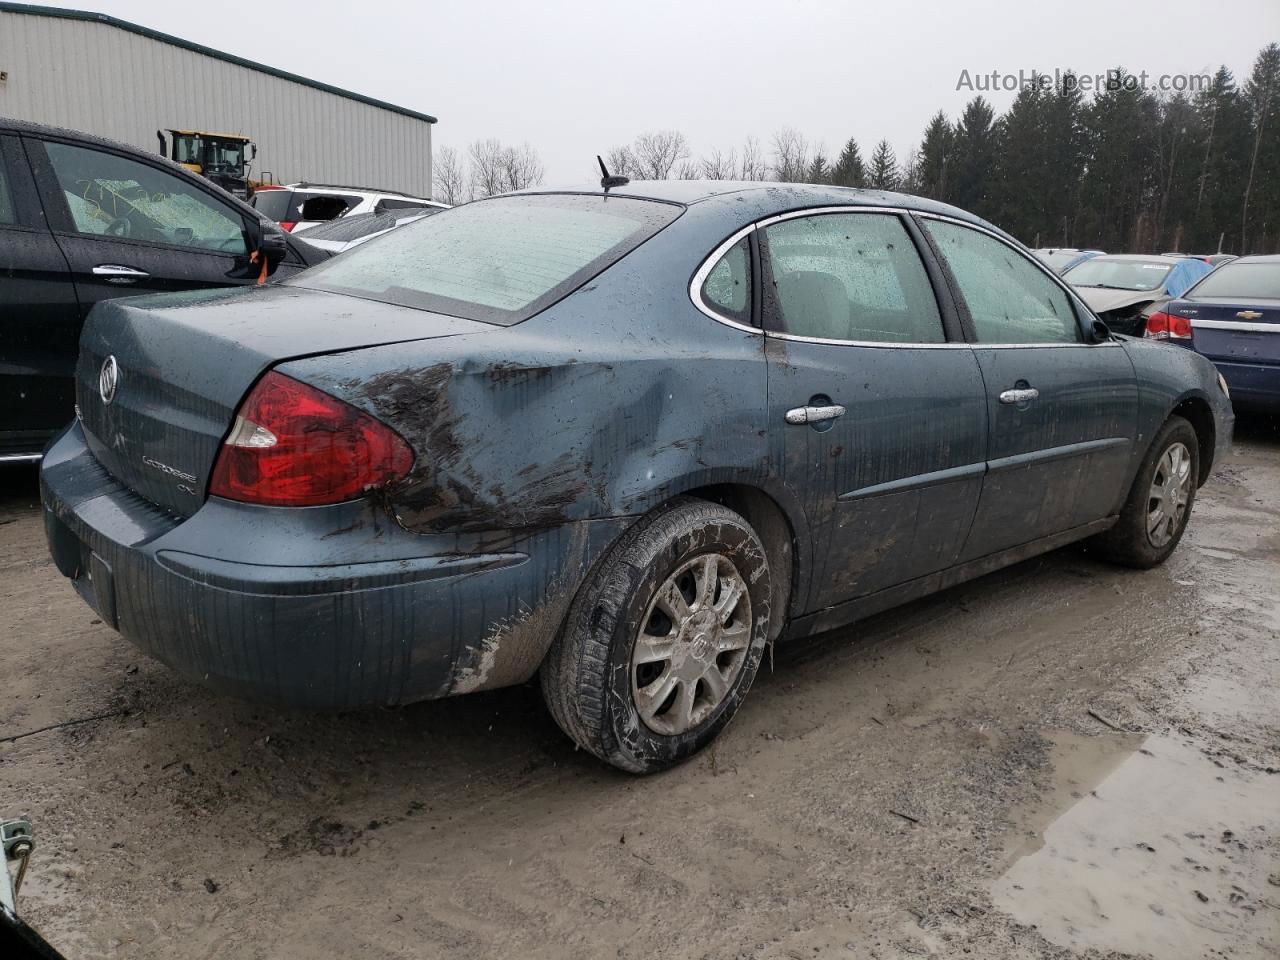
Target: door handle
column 118, row 273
column 798, row 415
column 1020, row 395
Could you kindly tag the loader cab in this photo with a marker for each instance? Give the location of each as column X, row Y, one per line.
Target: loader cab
column 224, row 158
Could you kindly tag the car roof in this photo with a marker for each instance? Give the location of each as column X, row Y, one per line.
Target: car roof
column 767, row 195
column 1258, row 258
column 341, row 188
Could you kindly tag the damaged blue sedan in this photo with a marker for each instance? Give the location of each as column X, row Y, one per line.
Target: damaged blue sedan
column 619, row 438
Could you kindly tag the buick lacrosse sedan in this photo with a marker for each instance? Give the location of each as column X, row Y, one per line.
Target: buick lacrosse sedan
column 619, row 439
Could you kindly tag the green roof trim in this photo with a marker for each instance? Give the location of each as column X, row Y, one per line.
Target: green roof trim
column 63, row 13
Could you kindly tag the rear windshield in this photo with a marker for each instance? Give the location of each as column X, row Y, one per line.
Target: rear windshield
column 352, row 228
column 1241, row 281
column 1119, row 274
column 499, row 261
column 285, row 206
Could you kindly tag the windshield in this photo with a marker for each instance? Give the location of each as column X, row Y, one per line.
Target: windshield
column 187, row 149
column 1119, row 274
column 1241, row 281
column 225, row 155
column 499, row 261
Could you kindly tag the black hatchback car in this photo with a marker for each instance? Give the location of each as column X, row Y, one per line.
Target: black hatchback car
column 84, row 219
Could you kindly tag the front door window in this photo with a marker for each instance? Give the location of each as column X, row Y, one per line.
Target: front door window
column 114, row 196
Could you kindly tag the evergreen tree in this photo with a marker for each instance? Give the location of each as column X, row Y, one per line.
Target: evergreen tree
column 849, row 170
column 1120, row 187
column 1260, row 210
column 1223, row 167
column 1179, row 143
column 976, row 146
column 1018, row 183
column 819, row 171
column 937, row 158
column 883, row 174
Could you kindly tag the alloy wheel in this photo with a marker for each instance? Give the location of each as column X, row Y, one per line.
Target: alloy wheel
column 691, row 646
column 1169, row 494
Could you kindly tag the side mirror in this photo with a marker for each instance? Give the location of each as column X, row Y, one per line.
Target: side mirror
column 271, row 242
column 1101, row 333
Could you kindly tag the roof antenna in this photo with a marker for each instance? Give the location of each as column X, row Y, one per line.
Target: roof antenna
column 607, row 180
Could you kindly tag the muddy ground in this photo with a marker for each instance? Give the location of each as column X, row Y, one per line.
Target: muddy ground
column 1059, row 760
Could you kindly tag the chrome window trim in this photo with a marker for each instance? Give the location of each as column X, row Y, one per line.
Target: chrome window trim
column 700, row 277
column 1042, row 346
column 891, row 344
column 709, row 263
column 1072, row 296
column 1239, row 325
column 819, row 211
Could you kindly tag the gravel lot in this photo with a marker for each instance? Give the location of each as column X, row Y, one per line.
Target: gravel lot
column 1062, row 759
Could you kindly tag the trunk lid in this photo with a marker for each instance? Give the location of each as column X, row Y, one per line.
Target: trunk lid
column 182, row 363
column 1244, row 331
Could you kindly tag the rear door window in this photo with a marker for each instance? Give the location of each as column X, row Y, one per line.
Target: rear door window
column 500, row 260
column 851, row 277
column 113, row 196
column 273, row 204
column 396, row 203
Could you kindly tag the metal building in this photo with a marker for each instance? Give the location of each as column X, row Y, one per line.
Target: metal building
column 92, row 72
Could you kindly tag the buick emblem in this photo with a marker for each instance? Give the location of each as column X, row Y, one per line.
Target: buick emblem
column 108, row 379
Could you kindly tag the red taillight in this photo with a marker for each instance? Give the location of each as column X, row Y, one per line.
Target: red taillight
column 1168, row 326
column 295, row 446
column 288, row 225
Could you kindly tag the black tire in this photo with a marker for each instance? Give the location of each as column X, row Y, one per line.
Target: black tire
column 587, row 677
column 1129, row 542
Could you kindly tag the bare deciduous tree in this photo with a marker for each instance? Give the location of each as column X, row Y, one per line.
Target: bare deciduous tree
column 791, row 156
column 496, row 168
column 621, row 162
column 449, row 176
column 521, row 167
column 487, row 174
column 753, row 166
column 719, row 166
column 656, row 154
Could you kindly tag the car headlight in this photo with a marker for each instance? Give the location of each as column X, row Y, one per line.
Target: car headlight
column 1222, row 385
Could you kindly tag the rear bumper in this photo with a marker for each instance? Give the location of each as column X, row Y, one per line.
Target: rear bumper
column 1252, row 384
column 328, row 607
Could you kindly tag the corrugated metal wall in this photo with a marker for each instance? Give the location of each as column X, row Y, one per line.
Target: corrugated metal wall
column 114, row 83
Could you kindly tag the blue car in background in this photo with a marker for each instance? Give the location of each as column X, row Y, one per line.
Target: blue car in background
column 1232, row 317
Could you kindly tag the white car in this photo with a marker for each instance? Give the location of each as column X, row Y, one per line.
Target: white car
column 298, row 207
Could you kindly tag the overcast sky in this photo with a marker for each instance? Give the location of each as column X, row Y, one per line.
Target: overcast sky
column 575, row 78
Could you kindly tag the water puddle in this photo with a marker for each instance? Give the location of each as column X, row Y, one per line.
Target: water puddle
column 1159, row 852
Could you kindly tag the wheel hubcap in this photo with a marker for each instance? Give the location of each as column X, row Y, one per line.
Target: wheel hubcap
column 692, row 643
column 1169, row 495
